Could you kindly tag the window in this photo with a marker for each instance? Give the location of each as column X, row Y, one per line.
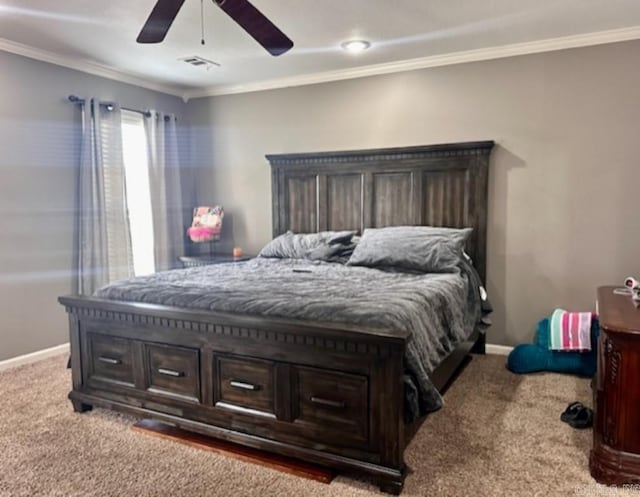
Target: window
column 136, row 165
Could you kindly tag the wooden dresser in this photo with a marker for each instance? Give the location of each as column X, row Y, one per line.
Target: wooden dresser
column 615, row 458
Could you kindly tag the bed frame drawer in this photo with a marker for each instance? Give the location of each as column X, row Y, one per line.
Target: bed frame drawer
column 173, row 371
column 244, row 384
column 110, row 360
column 332, row 405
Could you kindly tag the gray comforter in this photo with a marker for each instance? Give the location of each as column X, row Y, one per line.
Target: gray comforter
column 440, row 310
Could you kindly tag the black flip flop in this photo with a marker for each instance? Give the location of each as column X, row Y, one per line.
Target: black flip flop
column 571, row 411
column 582, row 420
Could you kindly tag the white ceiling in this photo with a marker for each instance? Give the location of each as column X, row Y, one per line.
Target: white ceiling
column 92, row 34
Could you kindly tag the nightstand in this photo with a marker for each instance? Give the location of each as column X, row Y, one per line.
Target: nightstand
column 206, row 260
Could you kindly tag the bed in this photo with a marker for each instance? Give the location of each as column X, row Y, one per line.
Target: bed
column 325, row 385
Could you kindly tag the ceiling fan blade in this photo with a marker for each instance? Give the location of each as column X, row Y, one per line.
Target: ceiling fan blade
column 257, row 25
column 159, row 21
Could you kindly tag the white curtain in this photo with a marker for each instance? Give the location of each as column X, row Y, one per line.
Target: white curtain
column 164, row 183
column 104, row 242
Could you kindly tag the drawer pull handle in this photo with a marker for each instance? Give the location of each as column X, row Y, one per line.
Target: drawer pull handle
column 244, row 386
column 330, row 403
column 170, row 372
column 109, row 360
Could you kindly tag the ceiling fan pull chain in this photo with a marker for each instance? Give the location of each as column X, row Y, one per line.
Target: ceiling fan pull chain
column 202, row 21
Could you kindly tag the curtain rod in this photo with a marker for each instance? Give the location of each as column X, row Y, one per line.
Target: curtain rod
column 109, row 106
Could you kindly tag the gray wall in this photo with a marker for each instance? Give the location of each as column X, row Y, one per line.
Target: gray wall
column 38, row 153
column 564, row 177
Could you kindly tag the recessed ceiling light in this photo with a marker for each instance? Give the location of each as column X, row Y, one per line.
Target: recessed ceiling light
column 355, row 46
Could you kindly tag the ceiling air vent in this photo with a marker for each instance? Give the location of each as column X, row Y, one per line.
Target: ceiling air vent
column 197, row 61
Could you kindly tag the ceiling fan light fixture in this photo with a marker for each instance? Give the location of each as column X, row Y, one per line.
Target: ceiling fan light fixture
column 355, row 46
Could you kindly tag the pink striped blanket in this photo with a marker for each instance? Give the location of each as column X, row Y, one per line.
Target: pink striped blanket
column 570, row 330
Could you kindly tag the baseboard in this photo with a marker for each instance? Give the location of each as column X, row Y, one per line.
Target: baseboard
column 33, row 357
column 498, row 349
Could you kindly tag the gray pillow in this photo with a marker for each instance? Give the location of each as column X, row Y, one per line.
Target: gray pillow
column 336, row 252
column 298, row 245
column 420, row 248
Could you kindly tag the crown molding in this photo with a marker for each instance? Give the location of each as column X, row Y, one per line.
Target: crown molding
column 482, row 54
column 86, row 67
column 477, row 55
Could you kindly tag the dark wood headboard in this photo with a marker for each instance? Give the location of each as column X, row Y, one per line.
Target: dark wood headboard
column 434, row 185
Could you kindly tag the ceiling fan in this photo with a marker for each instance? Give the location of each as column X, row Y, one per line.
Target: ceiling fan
column 243, row 12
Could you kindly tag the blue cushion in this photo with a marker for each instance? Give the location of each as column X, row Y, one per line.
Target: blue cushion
column 532, row 358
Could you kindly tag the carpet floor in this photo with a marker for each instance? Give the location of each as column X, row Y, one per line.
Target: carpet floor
column 498, row 435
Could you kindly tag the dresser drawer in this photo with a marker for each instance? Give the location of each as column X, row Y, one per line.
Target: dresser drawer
column 110, row 360
column 244, row 383
column 333, row 405
column 173, row 371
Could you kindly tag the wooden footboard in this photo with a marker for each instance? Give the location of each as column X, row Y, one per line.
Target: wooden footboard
column 324, row 393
